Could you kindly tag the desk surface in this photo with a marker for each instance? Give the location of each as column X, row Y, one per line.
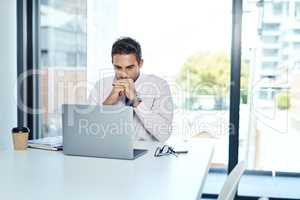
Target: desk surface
column 38, row 174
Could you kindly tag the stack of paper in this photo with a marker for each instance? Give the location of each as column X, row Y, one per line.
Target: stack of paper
column 47, row 143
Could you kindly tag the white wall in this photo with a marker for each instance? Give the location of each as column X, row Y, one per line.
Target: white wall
column 8, row 71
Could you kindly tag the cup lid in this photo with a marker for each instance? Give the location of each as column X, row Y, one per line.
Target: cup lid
column 20, row 129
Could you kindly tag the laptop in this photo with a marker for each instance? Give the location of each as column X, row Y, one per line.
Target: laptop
column 99, row 131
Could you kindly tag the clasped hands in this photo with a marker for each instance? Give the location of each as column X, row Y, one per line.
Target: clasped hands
column 122, row 87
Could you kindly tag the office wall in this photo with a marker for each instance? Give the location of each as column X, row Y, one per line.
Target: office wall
column 8, row 71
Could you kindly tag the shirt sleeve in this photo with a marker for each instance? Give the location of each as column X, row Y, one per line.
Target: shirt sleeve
column 99, row 92
column 94, row 95
column 158, row 118
column 92, row 100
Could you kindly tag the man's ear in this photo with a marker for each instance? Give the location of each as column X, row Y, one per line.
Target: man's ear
column 141, row 63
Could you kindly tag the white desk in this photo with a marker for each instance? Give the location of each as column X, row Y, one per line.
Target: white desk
column 38, row 174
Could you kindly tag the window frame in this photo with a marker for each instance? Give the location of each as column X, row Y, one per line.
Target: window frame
column 28, row 62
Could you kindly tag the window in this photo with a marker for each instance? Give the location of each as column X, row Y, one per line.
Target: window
column 186, row 47
column 271, row 112
column 297, row 10
column 297, row 31
column 263, row 95
column 297, row 45
column 63, row 50
column 270, row 39
column 285, row 57
column 270, row 27
column 297, row 66
column 277, row 8
column 270, row 52
column 269, row 65
column 286, row 8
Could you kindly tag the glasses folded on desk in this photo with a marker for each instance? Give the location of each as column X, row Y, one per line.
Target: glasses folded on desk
column 167, row 150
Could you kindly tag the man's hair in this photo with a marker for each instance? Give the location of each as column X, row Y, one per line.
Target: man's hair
column 127, row 45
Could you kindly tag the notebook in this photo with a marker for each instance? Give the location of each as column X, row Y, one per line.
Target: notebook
column 47, row 143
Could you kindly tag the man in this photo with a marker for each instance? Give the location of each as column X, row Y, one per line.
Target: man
column 149, row 95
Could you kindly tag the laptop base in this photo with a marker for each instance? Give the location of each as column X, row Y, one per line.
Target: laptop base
column 139, row 152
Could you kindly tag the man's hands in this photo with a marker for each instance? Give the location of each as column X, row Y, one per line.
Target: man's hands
column 115, row 95
column 122, row 87
column 128, row 86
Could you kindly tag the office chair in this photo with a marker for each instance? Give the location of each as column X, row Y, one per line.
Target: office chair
column 231, row 184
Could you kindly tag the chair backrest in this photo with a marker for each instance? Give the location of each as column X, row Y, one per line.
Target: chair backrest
column 231, row 184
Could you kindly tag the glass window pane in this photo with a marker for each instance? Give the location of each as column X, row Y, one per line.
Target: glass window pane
column 63, row 59
column 185, row 49
column 297, row 10
column 270, row 126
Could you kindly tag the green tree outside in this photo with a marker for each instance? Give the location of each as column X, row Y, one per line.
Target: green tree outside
column 209, row 74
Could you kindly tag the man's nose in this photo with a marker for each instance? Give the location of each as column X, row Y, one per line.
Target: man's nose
column 123, row 74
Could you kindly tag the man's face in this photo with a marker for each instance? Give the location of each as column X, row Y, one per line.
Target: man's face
column 126, row 66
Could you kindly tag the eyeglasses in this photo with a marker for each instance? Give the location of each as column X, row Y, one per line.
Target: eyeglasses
column 167, row 150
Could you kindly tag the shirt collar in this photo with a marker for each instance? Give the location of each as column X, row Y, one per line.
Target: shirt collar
column 138, row 80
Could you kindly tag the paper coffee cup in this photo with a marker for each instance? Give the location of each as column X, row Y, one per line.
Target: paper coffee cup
column 20, row 138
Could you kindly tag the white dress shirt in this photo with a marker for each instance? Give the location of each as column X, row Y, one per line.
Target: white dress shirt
column 154, row 115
